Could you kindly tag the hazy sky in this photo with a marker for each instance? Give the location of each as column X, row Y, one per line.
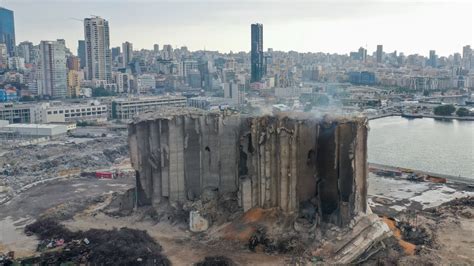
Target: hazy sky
column 224, row 25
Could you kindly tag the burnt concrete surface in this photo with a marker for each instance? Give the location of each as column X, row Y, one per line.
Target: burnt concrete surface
column 267, row 161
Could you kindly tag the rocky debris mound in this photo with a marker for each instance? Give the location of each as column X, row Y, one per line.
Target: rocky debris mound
column 122, row 246
column 215, row 261
column 457, row 207
column 23, row 166
column 269, row 245
column 417, row 235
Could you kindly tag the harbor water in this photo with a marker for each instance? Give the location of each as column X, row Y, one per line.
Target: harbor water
column 438, row 146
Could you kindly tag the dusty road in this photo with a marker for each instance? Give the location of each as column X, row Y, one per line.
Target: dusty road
column 63, row 196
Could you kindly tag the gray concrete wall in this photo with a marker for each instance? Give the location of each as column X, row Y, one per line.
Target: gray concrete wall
column 271, row 161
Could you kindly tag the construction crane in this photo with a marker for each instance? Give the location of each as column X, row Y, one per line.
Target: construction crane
column 77, row 19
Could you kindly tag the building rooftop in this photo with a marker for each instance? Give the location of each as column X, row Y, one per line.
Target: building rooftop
column 39, row 126
column 149, row 98
column 168, row 113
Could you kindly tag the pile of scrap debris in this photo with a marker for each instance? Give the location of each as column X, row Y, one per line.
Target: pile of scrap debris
column 416, row 235
column 277, row 184
column 215, row 261
column 22, row 167
column 458, row 207
column 122, row 246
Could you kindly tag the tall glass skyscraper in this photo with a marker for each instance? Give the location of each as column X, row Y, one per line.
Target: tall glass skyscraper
column 379, row 54
column 7, row 30
column 81, row 52
column 256, row 54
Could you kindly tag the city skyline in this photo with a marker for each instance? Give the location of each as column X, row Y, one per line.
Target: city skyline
column 223, row 26
column 7, row 30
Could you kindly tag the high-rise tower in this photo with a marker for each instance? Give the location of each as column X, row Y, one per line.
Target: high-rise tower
column 433, row 59
column 256, row 54
column 379, row 53
column 7, row 30
column 467, row 57
column 98, row 54
column 52, row 80
column 81, row 52
column 127, row 50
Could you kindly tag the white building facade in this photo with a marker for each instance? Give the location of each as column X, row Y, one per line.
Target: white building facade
column 98, row 53
column 52, row 70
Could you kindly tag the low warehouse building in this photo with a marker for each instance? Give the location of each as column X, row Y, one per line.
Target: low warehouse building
column 4, row 123
column 37, row 130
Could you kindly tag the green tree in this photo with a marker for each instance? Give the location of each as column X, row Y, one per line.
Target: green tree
column 322, row 100
column 444, row 110
column 27, row 98
column 102, row 92
column 462, row 112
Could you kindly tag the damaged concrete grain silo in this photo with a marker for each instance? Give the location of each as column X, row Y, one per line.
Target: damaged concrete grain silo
column 282, row 161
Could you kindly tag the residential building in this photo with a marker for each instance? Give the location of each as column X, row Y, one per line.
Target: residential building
column 74, row 80
column 98, row 54
column 210, row 103
column 16, row 63
column 73, row 63
column 25, row 51
column 116, row 53
column 291, row 92
column 66, row 50
column 363, row 54
column 81, row 53
column 467, row 57
column 3, row 56
column 232, row 91
column 311, row 72
column 127, row 108
column 13, row 76
column 167, row 52
column 146, row 82
column 52, row 71
column 193, row 79
column 127, row 50
column 256, row 53
column 187, row 66
column 123, row 81
column 7, row 30
column 379, row 53
column 362, row 78
column 433, row 59
column 8, row 95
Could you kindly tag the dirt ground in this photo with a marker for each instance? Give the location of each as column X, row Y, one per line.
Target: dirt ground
column 457, row 240
column 79, row 204
column 60, row 199
column 180, row 246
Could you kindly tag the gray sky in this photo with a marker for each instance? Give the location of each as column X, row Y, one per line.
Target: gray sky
column 224, row 25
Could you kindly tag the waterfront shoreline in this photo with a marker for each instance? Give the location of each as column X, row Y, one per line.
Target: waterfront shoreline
column 440, row 117
column 449, row 178
column 464, row 118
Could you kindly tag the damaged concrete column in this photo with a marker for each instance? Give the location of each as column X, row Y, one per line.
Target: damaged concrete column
column 271, row 161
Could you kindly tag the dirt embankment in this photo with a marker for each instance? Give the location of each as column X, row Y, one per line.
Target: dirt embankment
column 122, row 246
column 436, row 236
